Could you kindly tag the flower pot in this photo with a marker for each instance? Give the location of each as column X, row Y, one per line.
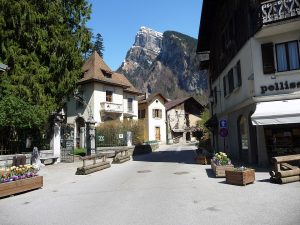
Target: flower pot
column 240, row 177
column 19, row 186
column 219, row 170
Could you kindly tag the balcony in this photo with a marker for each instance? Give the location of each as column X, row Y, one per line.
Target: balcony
column 111, row 107
column 275, row 11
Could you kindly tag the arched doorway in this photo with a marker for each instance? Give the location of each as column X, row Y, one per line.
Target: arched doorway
column 80, row 132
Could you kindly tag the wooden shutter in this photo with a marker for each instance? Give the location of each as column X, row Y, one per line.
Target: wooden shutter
column 153, row 113
column 268, row 58
column 230, row 81
column 239, row 73
column 160, row 113
column 224, row 86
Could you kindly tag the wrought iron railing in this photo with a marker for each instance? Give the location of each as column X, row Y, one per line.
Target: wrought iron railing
column 111, row 107
column 275, row 11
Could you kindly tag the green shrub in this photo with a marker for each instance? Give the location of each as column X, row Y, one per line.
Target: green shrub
column 80, row 151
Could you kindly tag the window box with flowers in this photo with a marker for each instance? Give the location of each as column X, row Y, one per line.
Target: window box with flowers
column 240, row 176
column 220, row 163
column 15, row 180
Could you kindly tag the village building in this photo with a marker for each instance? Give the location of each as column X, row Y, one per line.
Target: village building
column 183, row 114
column 152, row 112
column 102, row 95
column 251, row 49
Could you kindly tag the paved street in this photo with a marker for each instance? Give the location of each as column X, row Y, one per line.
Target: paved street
column 163, row 188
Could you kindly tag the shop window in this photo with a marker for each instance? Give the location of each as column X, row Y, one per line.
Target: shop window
column 243, row 133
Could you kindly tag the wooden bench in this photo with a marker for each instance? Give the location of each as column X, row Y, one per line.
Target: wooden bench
column 121, row 156
column 95, row 166
column 283, row 172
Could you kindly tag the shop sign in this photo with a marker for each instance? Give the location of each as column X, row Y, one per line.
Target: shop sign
column 279, row 86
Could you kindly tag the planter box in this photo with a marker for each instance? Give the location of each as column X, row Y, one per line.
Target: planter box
column 240, row 177
column 219, row 171
column 19, row 186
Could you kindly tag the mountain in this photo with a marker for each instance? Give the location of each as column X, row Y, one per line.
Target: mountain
column 165, row 62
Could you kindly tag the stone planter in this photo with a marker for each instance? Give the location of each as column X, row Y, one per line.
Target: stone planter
column 219, row 171
column 19, row 186
column 240, row 177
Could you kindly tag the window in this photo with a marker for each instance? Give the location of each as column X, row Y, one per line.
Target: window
column 106, row 74
column 157, row 113
column 141, row 113
column 129, row 102
column 238, row 73
column 287, row 56
column 230, row 81
column 109, row 96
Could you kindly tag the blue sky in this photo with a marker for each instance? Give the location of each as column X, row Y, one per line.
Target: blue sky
column 118, row 21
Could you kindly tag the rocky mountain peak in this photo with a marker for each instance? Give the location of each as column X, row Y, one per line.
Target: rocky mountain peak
column 148, row 39
column 166, row 63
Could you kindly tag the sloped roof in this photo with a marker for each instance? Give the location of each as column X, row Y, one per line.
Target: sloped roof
column 142, row 98
column 3, row 67
column 94, row 70
column 171, row 104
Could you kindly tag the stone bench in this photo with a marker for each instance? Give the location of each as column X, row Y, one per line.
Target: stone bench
column 47, row 156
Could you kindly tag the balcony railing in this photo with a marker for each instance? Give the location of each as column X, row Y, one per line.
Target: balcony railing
column 275, row 11
column 111, row 107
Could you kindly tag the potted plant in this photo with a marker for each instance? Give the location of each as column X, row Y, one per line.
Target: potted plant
column 240, row 176
column 19, row 179
column 220, row 163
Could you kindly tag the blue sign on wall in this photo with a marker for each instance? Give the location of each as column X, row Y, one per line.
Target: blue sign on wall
column 223, row 124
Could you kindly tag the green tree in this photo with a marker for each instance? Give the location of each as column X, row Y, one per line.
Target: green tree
column 98, row 45
column 43, row 43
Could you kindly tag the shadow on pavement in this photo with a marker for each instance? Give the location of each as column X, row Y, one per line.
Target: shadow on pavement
column 184, row 156
column 210, row 173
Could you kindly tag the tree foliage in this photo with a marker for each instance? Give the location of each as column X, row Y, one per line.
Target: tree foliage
column 43, row 43
column 98, row 45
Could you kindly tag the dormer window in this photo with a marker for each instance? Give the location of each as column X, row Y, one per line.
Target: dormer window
column 106, row 74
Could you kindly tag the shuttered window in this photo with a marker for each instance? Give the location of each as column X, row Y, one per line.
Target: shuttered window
column 239, row 74
column 224, row 86
column 268, row 58
column 157, row 113
column 230, row 80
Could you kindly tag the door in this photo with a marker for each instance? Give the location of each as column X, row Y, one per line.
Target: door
column 157, row 133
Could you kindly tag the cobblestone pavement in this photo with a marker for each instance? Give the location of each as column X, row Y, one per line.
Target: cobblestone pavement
column 165, row 187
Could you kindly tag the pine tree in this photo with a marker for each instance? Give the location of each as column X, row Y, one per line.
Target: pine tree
column 43, row 43
column 98, row 45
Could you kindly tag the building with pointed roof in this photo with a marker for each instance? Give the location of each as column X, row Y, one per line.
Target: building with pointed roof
column 182, row 117
column 152, row 112
column 102, row 95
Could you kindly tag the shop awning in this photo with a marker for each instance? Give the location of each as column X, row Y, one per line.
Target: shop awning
column 277, row 112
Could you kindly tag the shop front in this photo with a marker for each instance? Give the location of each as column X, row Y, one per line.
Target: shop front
column 281, row 125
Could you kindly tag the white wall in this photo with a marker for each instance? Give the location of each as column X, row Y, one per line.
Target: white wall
column 157, row 103
column 242, row 93
column 265, row 80
column 134, row 104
